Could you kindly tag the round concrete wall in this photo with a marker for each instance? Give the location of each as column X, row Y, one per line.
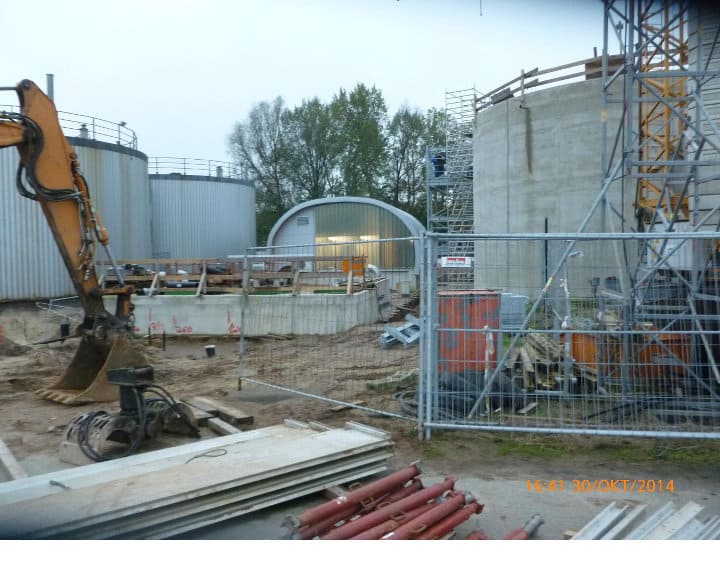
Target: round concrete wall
column 538, row 168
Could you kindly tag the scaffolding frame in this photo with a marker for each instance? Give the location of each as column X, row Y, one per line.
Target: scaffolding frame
column 449, row 180
column 666, row 152
column 670, row 163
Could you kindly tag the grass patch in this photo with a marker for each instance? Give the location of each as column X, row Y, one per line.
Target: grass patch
column 532, row 449
column 431, row 451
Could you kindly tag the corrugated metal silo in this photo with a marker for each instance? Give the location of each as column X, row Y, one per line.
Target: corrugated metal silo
column 117, row 177
column 30, row 264
column 196, row 216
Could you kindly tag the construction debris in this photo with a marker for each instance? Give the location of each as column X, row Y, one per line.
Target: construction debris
column 394, row 382
column 396, row 507
column 405, row 334
column 544, row 365
column 161, row 494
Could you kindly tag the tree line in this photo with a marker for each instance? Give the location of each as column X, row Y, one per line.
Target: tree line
column 350, row 146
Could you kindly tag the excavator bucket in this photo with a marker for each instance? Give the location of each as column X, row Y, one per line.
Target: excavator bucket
column 85, row 380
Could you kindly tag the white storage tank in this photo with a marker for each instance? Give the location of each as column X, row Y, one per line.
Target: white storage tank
column 117, row 177
column 196, row 215
column 116, row 173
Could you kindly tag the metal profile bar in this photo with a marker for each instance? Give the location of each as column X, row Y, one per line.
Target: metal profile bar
column 712, row 530
column 621, row 527
column 494, row 426
column 601, row 523
column 690, row 531
column 676, row 521
column 642, row 531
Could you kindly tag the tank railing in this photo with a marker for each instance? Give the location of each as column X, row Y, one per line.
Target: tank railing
column 93, row 128
column 97, row 129
column 588, row 68
column 190, row 166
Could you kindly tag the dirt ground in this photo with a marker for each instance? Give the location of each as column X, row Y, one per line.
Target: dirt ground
column 496, row 468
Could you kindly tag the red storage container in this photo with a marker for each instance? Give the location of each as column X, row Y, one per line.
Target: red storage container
column 463, row 316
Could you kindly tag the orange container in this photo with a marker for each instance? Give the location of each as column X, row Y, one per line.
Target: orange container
column 653, row 362
column 463, row 316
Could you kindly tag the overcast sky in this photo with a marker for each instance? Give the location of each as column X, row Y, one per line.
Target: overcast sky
column 181, row 73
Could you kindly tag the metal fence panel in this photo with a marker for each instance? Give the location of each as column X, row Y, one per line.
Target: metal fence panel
column 587, row 333
column 334, row 328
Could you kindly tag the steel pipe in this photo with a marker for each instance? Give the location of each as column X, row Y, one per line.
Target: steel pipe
column 361, row 495
column 380, row 515
column 309, row 532
column 377, row 532
column 477, row 535
column 527, row 530
column 452, row 521
column 420, row 524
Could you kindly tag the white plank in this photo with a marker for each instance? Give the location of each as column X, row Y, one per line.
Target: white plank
column 7, row 459
column 120, row 492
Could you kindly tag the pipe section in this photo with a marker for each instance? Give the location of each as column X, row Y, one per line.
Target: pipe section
column 380, row 515
column 447, row 525
column 420, row 524
column 359, row 496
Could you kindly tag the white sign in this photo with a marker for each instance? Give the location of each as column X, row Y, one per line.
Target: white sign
column 456, row 262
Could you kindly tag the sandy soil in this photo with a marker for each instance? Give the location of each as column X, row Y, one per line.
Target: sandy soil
column 496, row 467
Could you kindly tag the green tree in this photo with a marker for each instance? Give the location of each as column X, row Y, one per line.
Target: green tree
column 363, row 115
column 405, row 156
column 314, row 142
column 260, row 143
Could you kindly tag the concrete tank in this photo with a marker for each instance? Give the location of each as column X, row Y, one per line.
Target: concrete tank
column 197, row 216
column 704, row 53
column 537, row 168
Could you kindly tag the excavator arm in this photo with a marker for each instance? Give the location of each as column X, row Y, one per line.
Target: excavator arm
column 49, row 173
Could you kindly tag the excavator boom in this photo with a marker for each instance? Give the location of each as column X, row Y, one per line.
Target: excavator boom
column 49, row 173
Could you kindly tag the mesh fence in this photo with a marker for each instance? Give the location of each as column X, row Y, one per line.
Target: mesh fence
column 604, row 336
column 336, row 322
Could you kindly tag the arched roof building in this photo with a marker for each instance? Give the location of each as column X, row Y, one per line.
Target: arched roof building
column 351, row 226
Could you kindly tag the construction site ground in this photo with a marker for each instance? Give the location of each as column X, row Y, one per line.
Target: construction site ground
column 495, row 468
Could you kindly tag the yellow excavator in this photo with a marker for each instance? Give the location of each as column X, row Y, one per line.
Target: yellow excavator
column 49, row 173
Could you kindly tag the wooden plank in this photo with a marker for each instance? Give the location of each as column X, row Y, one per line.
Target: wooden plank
column 230, row 413
column 202, row 406
column 527, row 408
column 7, row 460
column 221, row 427
column 200, row 416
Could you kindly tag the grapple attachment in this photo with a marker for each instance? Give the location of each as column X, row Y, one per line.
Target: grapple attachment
column 85, row 380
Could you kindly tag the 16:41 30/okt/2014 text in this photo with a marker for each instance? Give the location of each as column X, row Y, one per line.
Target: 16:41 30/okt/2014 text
column 601, row 485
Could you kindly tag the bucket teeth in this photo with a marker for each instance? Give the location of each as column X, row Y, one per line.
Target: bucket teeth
column 85, row 380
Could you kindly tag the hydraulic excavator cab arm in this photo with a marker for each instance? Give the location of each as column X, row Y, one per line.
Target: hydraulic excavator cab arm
column 49, row 173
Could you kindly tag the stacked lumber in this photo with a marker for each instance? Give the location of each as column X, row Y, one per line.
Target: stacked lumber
column 396, row 507
column 542, row 363
column 161, row 494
